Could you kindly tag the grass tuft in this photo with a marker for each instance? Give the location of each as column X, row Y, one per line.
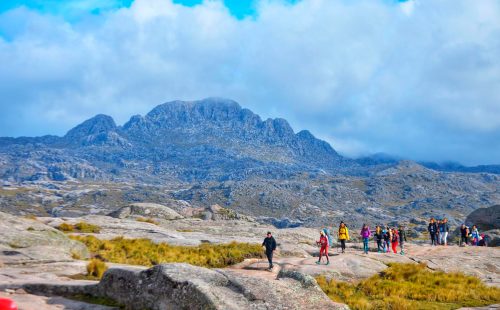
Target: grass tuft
column 147, row 220
column 412, row 286
column 147, row 253
column 81, row 227
column 96, row 268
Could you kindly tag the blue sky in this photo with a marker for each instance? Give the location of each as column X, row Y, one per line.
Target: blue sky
column 417, row 79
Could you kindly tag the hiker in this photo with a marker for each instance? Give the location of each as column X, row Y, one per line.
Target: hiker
column 475, row 235
column 440, row 225
column 445, row 231
column 378, row 237
column 433, row 230
column 343, row 235
column 365, row 234
column 387, row 239
column 329, row 236
column 323, row 243
column 464, row 235
column 394, row 240
column 402, row 238
column 270, row 245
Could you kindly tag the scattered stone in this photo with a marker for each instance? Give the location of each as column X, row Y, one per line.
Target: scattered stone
column 152, row 210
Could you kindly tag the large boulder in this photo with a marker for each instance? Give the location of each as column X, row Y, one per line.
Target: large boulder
column 24, row 240
column 146, row 210
column 183, row 286
column 485, row 218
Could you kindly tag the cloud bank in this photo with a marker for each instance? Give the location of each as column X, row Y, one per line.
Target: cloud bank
column 419, row 79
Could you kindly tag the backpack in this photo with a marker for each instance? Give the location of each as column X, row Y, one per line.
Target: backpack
column 327, row 234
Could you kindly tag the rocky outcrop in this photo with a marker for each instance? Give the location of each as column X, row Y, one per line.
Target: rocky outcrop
column 485, row 218
column 152, row 210
column 183, row 286
column 25, row 240
column 218, row 213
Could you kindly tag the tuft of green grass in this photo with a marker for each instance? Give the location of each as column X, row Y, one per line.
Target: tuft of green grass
column 103, row 301
column 412, row 286
column 147, row 253
column 81, row 227
column 147, row 220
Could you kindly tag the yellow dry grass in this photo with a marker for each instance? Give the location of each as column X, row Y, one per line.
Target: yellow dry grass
column 147, row 253
column 412, row 286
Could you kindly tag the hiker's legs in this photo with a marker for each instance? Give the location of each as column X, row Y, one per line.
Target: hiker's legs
column 445, row 238
column 394, row 246
column 402, row 246
column 321, row 253
column 342, row 245
column 270, row 259
column 379, row 245
column 326, row 254
column 388, row 246
column 365, row 245
column 433, row 239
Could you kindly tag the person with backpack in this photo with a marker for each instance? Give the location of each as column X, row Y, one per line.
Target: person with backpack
column 329, row 236
column 270, row 245
column 402, row 238
column 387, row 239
column 378, row 237
column 365, row 234
column 343, row 235
column 433, row 231
column 323, row 243
column 475, row 235
column 464, row 235
column 394, row 240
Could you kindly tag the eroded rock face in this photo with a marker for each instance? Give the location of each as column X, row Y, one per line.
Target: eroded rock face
column 25, row 240
column 147, row 210
column 183, row 286
column 485, row 218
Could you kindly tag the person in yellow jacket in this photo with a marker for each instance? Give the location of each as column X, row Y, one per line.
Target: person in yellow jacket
column 343, row 235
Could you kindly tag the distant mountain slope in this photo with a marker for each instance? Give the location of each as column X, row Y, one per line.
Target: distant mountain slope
column 210, row 139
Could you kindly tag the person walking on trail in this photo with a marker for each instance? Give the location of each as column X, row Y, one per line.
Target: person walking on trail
column 343, row 235
column 433, row 230
column 378, row 237
column 323, row 243
column 394, row 240
column 440, row 225
column 402, row 238
column 475, row 235
column 446, row 231
column 365, row 234
column 270, row 245
column 464, row 235
column 387, row 239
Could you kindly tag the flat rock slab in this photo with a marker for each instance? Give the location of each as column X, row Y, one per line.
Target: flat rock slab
column 34, row 302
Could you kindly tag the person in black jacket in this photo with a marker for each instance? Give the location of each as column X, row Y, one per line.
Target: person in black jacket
column 402, row 238
column 270, row 245
column 433, row 231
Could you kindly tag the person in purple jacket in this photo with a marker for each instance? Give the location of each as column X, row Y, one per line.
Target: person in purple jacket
column 365, row 234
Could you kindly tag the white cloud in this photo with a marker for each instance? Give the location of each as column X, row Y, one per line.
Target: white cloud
column 417, row 79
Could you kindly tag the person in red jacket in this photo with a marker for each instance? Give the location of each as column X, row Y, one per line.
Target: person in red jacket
column 323, row 243
column 395, row 240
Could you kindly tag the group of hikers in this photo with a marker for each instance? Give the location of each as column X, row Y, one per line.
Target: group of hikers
column 386, row 238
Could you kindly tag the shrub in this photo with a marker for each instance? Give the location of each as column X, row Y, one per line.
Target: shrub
column 412, row 286
column 81, row 227
column 147, row 253
column 147, row 220
column 96, row 268
column 30, row 229
column 66, row 227
column 87, row 228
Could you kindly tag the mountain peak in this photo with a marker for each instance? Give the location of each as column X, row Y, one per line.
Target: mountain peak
column 96, row 125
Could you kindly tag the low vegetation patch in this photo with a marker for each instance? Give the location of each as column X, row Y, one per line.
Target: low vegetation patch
column 103, row 301
column 412, row 286
column 81, row 227
column 147, row 253
column 147, row 220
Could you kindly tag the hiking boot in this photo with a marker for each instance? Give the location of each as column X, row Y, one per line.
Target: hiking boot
column 318, row 262
column 328, row 263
